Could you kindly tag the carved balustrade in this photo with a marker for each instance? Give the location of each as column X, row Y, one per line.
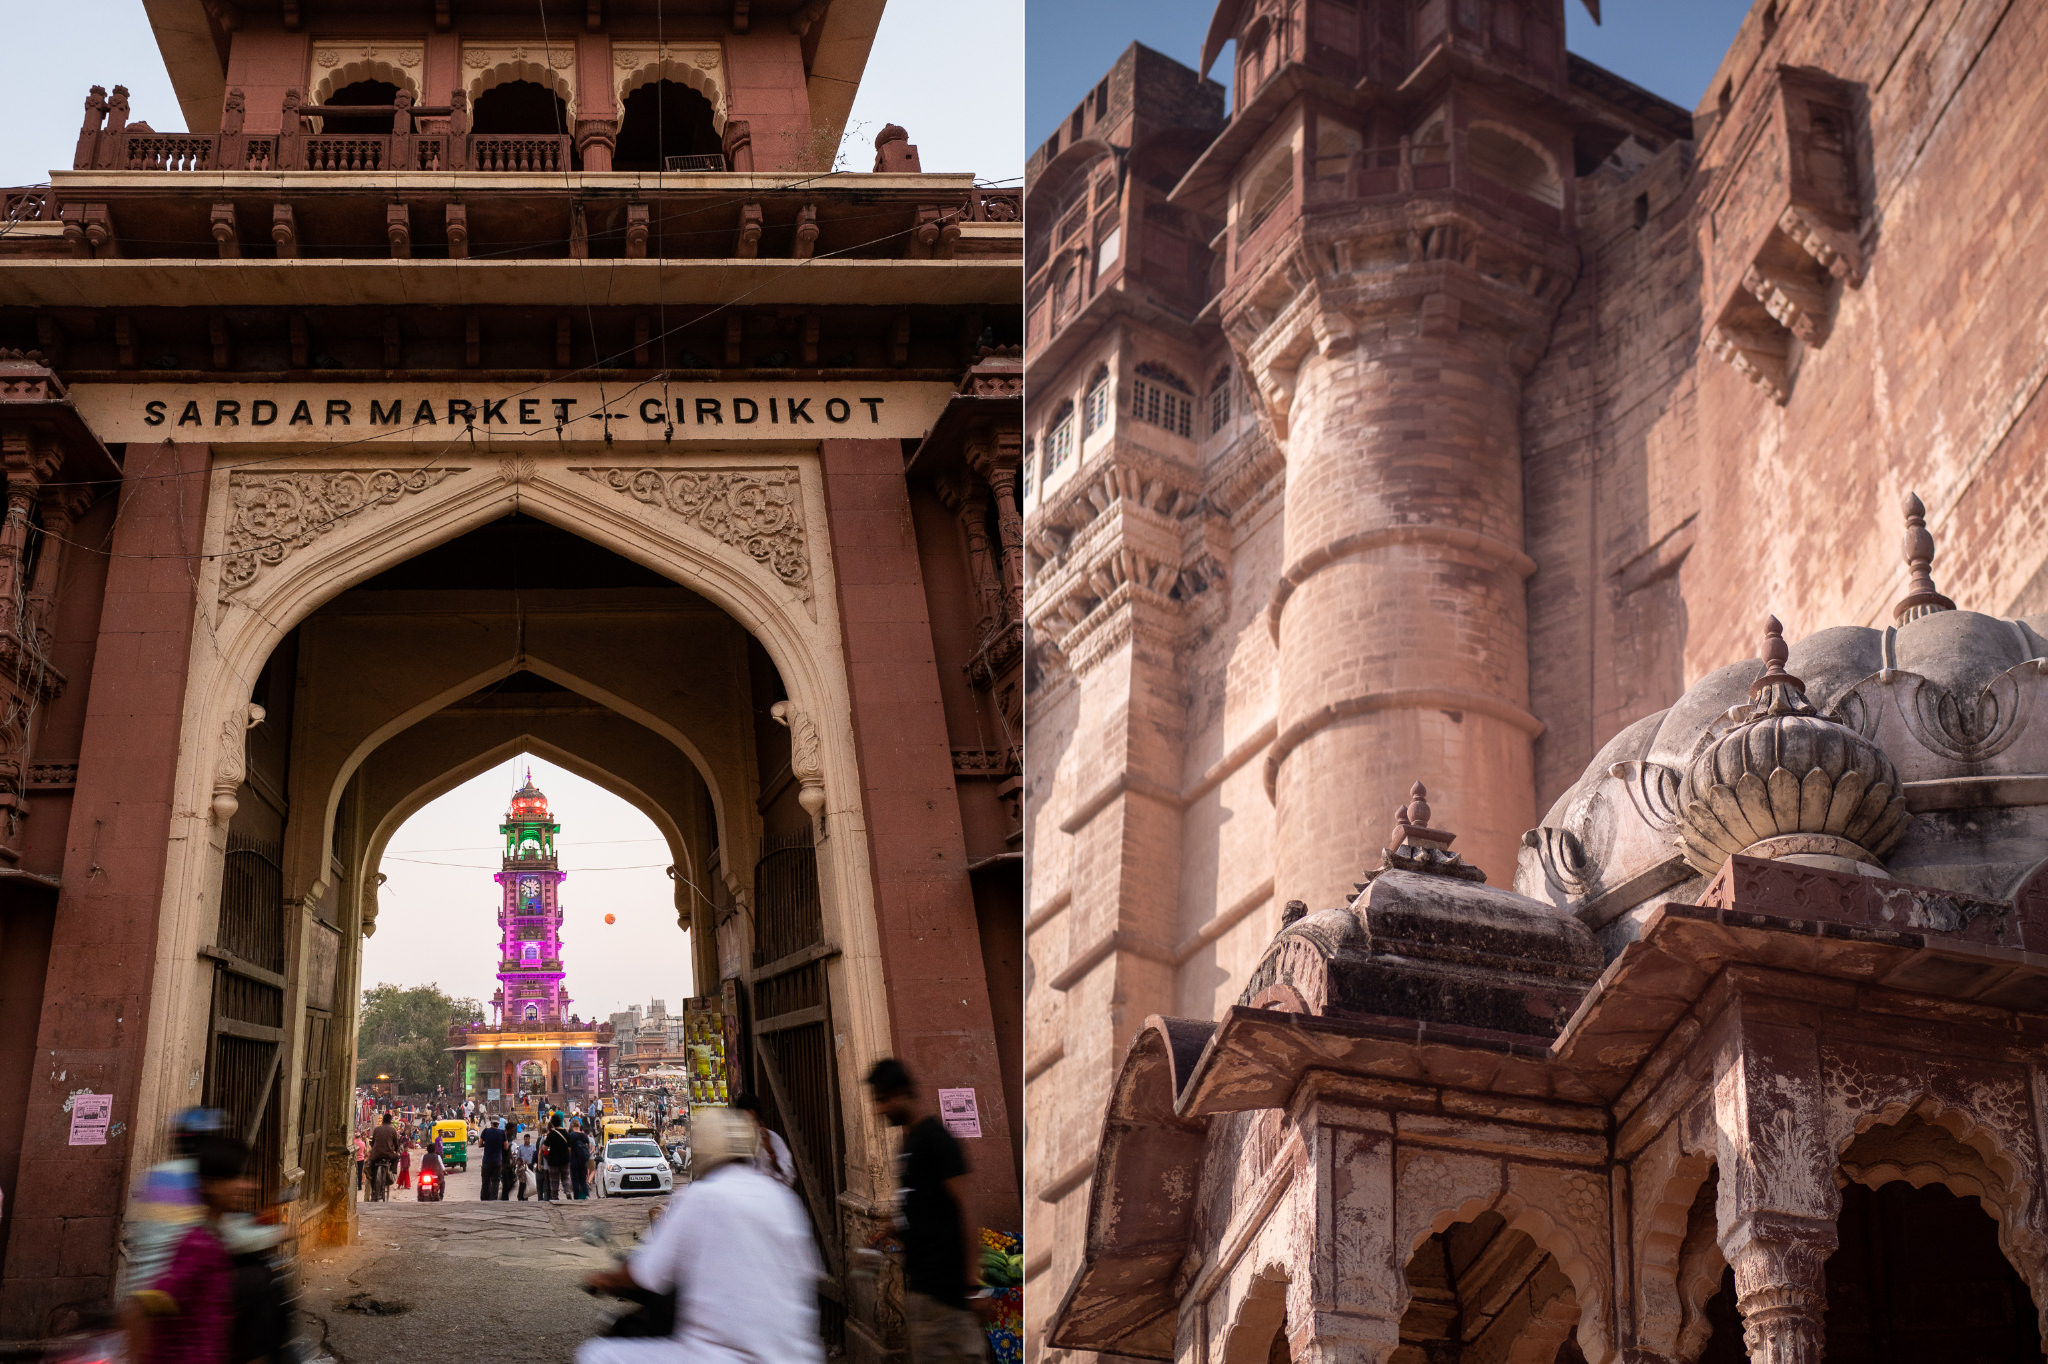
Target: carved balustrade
column 514, row 153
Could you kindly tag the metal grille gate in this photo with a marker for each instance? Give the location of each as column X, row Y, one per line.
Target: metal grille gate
column 792, row 1036
column 245, row 1048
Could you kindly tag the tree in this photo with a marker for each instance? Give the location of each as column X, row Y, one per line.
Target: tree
column 404, row 1034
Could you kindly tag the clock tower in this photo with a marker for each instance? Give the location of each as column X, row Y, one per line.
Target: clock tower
column 530, row 916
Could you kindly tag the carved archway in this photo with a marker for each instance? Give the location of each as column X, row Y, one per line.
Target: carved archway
column 392, row 820
column 1928, row 1142
column 678, row 67
column 251, row 600
column 344, row 74
column 1678, row 1261
column 1261, row 1315
column 1563, row 1212
column 486, row 68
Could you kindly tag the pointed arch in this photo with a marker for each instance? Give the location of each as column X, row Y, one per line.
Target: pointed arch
column 679, row 69
column 535, row 69
column 392, row 820
column 342, row 76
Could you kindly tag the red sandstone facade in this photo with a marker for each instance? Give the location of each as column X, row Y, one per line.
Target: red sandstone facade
column 472, row 381
column 1514, row 397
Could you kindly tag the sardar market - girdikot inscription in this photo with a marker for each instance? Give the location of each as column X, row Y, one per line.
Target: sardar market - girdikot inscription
column 346, row 412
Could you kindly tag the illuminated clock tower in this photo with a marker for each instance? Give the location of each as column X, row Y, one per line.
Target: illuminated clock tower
column 530, row 916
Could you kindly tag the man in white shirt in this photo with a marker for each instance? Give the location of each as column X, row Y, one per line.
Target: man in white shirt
column 771, row 1152
column 735, row 1248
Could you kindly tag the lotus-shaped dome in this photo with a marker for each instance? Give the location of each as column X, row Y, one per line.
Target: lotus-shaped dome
column 1785, row 780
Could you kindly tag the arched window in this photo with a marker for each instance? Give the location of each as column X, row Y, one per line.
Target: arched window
column 663, row 119
column 523, row 107
column 1095, row 407
column 532, row 1013
column 1059, row 438
column 1264, row 191
column 361, row 125
column 1513, row 165
column 1219, row 400
column 530, row 953
column 1163, row 398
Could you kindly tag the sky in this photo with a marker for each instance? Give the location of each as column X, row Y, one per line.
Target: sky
column 1669, row 47
column 437, row 910
column 949, row 71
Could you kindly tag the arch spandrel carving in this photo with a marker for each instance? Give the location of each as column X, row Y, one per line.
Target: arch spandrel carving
column 485, row 66
column 701, row 66
column 337, row 65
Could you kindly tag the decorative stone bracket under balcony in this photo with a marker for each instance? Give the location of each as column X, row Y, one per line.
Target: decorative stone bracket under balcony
column 1781, row 225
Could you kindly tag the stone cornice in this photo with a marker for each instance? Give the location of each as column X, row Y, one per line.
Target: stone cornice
column 1427, row 265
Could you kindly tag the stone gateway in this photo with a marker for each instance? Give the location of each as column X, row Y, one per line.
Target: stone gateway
column 467, row 383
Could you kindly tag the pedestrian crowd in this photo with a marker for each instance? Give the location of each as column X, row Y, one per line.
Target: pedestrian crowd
column 730, row 1268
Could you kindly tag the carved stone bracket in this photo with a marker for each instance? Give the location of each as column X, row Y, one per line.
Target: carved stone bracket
column 806, row 761
column 272, row 515
column 757, row 511
column 232, row 768
column 1781, row 226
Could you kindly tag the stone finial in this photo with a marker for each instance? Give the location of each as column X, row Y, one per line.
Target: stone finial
column 1787, row 781
column 1415, row 846
column 1921, row 599
column 1775, row 691
column 893, row 151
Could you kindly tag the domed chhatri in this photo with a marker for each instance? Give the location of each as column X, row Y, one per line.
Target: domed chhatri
column 1788, row 782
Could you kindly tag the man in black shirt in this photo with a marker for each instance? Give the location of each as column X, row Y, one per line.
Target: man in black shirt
column 493, row 1141
column 941, row 1267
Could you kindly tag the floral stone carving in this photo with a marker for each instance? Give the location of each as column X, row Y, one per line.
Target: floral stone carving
column 273, row 514
column 757, row 511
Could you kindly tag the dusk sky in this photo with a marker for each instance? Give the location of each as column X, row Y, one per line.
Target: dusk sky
column 931, row 70
column 437, row 915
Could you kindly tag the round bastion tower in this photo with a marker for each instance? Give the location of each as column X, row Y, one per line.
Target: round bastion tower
column 1397, row 247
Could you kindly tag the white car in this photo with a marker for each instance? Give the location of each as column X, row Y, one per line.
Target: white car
column 634, row 1165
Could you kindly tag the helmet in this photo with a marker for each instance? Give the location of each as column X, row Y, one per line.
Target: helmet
column 197, row 1122
column 719, row 1136
column 193, row 1124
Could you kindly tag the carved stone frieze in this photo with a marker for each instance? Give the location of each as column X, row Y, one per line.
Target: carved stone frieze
column 273, row 515
column 757, row 511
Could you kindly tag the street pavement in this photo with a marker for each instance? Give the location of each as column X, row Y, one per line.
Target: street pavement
column 462, row 1279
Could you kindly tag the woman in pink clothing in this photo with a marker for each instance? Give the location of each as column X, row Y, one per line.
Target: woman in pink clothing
column 405, row 1162
column 187, row 1314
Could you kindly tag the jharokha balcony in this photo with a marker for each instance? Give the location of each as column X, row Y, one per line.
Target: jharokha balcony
column 419, row 181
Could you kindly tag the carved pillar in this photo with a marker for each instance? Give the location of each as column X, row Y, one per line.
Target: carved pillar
column 1400, row 614
column 596, row 138
column 1778, row 1200
column 967, row 499
column 1346, row 1306
column 995, row 455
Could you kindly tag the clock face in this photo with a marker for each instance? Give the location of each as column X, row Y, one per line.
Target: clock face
column 529, row 889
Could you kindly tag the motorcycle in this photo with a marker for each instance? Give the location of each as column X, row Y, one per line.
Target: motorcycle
column 431, row 1187
column 645, row 1315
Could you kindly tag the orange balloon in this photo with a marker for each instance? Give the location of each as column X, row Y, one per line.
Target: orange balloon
column 611, row 918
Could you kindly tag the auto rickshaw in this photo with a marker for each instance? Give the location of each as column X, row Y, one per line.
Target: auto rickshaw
column 454, row 1136
column 616, row 1125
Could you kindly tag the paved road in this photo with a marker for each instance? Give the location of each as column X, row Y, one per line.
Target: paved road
column 463, row 1279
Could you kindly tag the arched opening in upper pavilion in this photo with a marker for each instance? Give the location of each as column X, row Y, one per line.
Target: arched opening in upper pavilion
column 662, row 119
column 520, row 107
column 364, row 93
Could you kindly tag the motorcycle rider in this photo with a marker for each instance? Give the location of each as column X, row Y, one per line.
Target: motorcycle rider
column 734, row 1247
column 385, row 1147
